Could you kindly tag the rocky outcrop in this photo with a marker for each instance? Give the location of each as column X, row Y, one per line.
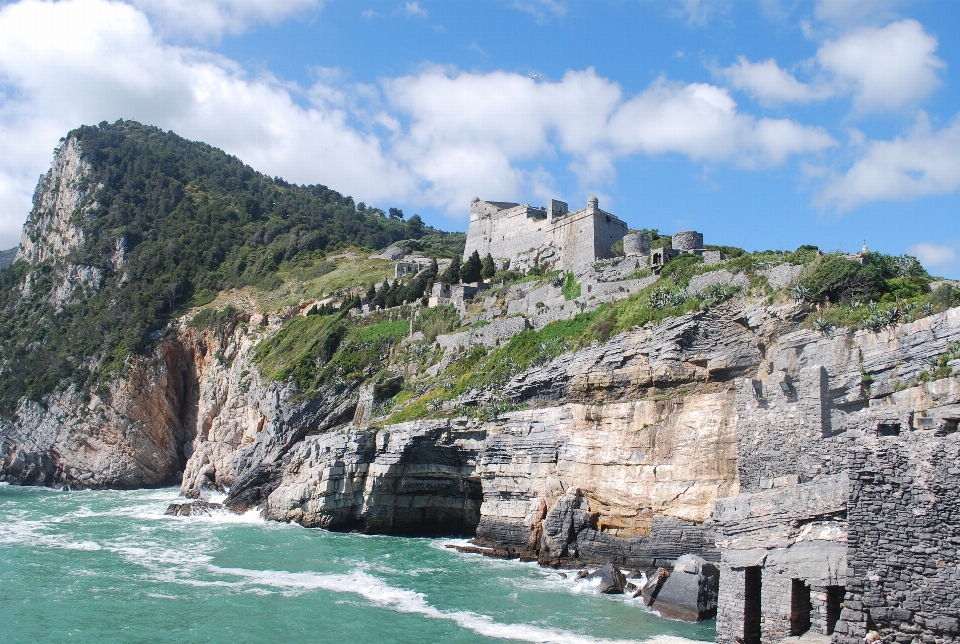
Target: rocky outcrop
column 51, row 231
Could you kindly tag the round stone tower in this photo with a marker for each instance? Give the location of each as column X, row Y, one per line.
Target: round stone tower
column 636, row 245
column 593, row 204
column 687, row 240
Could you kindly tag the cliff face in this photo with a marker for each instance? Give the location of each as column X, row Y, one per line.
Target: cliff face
column 51, row 231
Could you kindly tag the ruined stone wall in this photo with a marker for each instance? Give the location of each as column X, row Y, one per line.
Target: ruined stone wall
column 904, row 514
column 785, row 436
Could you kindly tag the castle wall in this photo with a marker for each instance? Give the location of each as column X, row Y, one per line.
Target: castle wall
column 548, row 237
column 904, row 513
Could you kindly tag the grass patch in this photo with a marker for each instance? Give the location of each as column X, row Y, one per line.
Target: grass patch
column 571, row 288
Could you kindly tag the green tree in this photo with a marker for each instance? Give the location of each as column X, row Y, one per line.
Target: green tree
column 470, row 271
column 487, row 267
column 452, row 273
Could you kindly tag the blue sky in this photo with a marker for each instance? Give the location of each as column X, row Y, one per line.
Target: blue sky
column 764, row 124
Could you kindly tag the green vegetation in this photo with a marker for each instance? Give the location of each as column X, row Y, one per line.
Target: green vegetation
column 436, row 321
column 333, row 350
column 571, row 288
column 471, row 269
column 192, row 221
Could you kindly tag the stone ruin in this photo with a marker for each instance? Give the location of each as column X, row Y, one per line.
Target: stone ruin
column 689, row 242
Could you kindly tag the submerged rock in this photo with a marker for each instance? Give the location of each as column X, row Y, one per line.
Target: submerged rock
column 195, row 509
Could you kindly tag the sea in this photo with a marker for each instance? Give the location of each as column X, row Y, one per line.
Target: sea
column 109, row 566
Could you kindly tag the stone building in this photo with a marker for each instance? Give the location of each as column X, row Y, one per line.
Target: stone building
column 549, row 237
column 849, row 505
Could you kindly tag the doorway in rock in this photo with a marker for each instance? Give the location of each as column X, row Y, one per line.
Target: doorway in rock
column 799, row 608
column 834, row 606
column 751, row 605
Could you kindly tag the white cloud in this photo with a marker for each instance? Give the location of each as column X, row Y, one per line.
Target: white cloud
column 496, row 120
column 771, row 84
column 850, row 13
column 203, row 19
column 436, row 138
column 702, row 122
column 414, row 9
column 931, row 254
column 88, row 60
column 921, row 163
column 886, row 68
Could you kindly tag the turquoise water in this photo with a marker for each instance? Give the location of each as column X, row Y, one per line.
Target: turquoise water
column 108, row 566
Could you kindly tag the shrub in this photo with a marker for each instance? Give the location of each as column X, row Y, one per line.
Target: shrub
column 838, row 279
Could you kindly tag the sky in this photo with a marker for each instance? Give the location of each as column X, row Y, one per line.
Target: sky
column 764, row 124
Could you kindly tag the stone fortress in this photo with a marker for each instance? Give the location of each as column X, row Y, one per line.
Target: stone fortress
column 526, row 236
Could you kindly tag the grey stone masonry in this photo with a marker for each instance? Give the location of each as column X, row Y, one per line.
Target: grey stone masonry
column 904, row 515
column 490, row 335
column 636, row 245
column 551, row 237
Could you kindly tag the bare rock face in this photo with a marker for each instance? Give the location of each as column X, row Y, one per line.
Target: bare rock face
column 130, row 435
column 49, row 232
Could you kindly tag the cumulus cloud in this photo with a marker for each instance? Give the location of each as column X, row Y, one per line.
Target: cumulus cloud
column 495, row 120
column 885, row 68
column 922, row 162
column 931, row 254
column 88, row 60
column 435, row 138
column 203, row 19
column 771, row 84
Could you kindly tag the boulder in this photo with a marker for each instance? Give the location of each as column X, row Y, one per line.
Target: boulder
column 690, row 592
column 612, row 580
column 651, row 588
column 194, row 509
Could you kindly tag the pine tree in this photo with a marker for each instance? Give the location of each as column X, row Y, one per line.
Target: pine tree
column 452, row 274
column 470, row 271
column 487, row 268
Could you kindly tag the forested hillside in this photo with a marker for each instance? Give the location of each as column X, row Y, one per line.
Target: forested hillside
column 187, row 220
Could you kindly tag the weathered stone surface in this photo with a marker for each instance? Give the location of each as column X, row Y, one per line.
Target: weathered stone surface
column 651, row 588
column 612, row 581
column 690, row 592
column 194, row 509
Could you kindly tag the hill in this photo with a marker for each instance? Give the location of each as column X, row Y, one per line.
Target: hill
column 153, row 223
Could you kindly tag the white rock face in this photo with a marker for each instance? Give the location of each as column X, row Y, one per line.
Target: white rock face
column 51, row 232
